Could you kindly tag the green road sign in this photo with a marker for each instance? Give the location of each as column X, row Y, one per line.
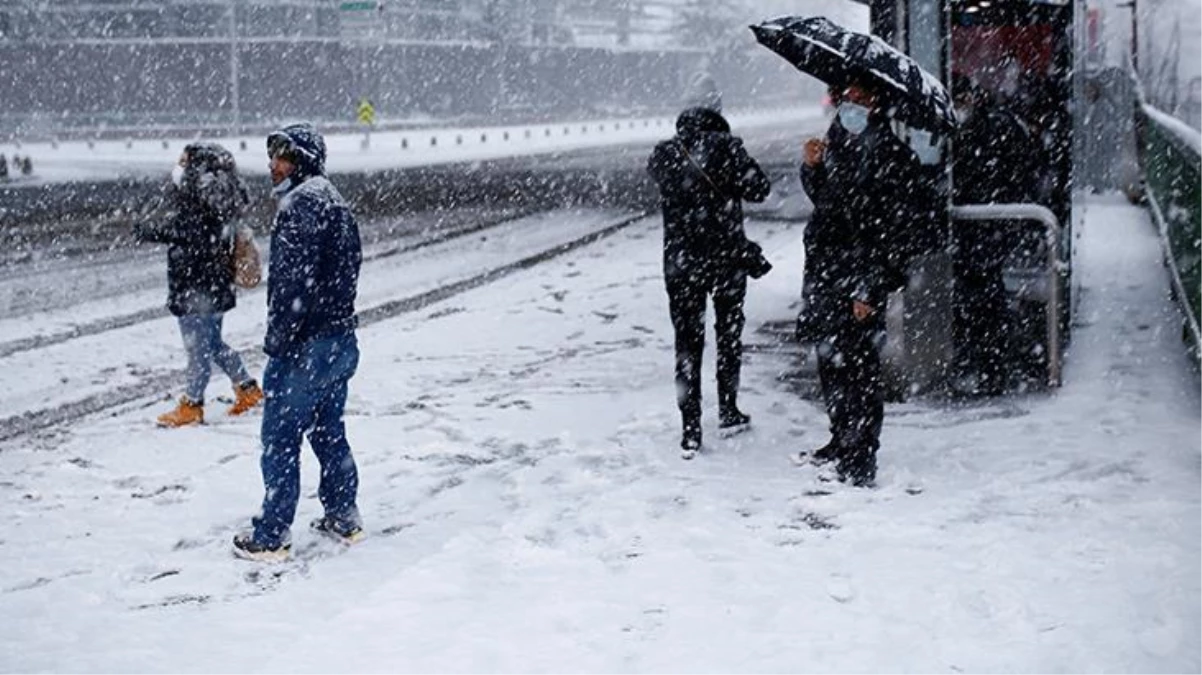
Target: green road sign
column 357, row 5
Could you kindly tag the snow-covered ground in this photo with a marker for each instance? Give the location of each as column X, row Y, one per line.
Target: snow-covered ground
column 91, row 365
column 527, row 509
column 108, row 159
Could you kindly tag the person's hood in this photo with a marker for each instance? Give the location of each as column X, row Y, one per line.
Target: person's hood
column 307, row 149
column 695, row 121
column 211, row 179
column 703, row 92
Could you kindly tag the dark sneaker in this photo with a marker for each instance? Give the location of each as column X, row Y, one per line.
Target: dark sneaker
column 733, row 422
column 858, row 470
column 690, row 443
column 865, row 478
column 820, row 457
column 246, row 548
column 345, row 533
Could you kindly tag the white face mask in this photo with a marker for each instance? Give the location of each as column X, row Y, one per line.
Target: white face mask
column 283, row 186
column 853, row 117
column 177, row 175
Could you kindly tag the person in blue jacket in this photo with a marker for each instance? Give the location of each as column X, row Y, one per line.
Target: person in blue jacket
column 312, row 281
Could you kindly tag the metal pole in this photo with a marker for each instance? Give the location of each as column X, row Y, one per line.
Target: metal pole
column 235, row 88
column 1135, row 37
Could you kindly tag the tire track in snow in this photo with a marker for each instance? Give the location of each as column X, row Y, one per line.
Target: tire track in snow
column 36, row 420
column 158, row 312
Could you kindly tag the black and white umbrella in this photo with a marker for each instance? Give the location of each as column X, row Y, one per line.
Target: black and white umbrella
column 824, row 49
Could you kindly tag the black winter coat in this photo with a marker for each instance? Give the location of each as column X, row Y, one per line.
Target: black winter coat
column 868, row 203
column 199, row 245
column 704, row 174
column 996, row 158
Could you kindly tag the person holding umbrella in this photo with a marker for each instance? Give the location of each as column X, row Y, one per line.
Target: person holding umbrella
column 863, row 181
column 870, row 202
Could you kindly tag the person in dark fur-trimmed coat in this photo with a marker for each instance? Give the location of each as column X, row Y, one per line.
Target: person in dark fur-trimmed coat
column 704, row 173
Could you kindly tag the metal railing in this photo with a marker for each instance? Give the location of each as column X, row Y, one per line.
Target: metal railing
column 1171, row 158
column 1014, row 215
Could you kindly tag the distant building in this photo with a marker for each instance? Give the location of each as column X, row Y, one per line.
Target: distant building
column 590, row 23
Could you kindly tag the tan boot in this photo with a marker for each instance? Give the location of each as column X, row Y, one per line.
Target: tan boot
column 247, row 395
column 187, row 413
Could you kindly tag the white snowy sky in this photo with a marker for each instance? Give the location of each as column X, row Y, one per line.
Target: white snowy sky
column 1157, row 20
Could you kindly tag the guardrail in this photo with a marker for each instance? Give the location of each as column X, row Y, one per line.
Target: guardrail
column 1012, row 215
column 1171, row 158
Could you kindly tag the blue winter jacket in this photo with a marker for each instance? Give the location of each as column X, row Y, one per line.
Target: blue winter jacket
column 313, row 274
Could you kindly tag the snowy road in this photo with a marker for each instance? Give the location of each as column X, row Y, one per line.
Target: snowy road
column 527, row 511
column 65, row 362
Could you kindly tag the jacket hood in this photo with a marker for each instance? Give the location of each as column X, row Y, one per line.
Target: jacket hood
column 305, row 146
column 694, row 121
column 211, row 179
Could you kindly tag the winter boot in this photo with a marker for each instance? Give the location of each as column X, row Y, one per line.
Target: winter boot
column 246, row 396
column 857, row 468
column 347, row 533
column 732, row 421
column 246, row 548
column 820, row 457
column 187, row 413
column 690, row 439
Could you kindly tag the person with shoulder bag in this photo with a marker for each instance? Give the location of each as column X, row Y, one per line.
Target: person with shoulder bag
column 208, row 198
column 704, row 174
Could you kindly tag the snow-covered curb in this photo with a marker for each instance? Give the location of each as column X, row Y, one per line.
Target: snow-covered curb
column 379, row 151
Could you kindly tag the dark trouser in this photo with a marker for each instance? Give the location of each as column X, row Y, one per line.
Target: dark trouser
column 306, row 392
column 849, row 369
column 687, row 291
column 982, row 325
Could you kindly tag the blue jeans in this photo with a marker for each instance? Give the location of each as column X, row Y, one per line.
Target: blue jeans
column 203, row 343
column 306, row 392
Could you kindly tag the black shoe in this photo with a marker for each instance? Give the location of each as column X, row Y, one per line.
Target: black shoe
column 859, row 478
column 347, row 533
column 857, row 469
column 690, row 442
column 247, row 548
column 733, row 421
column 826, row 454
column 820, row 457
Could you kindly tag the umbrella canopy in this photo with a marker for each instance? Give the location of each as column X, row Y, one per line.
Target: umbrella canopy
column 838, row 56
